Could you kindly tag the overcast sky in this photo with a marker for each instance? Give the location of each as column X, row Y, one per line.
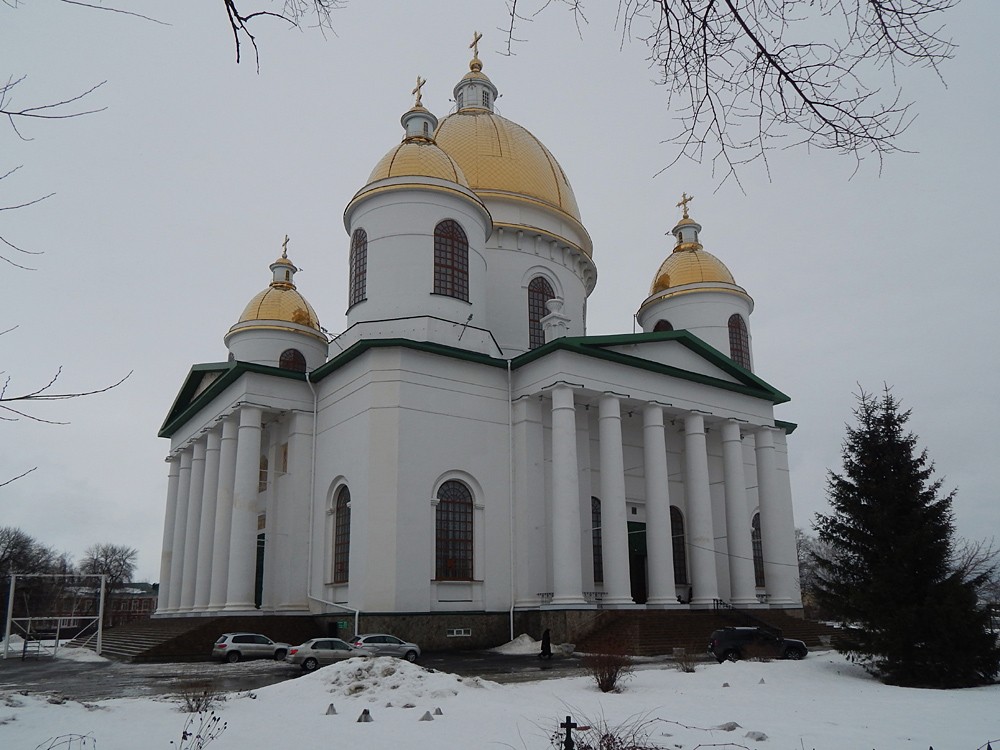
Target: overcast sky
column 170, row 204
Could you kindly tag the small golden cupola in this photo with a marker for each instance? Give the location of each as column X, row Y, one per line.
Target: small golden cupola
column 277, row 322
column 693, row 290
column 418, row 155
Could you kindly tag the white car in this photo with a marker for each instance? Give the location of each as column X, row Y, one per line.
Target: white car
column 383, row 644
column 234, row 647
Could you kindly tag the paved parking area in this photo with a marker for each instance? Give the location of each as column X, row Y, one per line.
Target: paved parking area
column 88, row 681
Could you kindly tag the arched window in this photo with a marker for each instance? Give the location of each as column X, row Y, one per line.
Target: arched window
column 359, row 267
column 292, row 359
column 663, row 325
column 451, row 260
column 758, row 550
column 539, row 292
column 262, row 476
column 595, row 526
column 739, row 341
column 679, row 545
column 453, row 533
column 342, row 536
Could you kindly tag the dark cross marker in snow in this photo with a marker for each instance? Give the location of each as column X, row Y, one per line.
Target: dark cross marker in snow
column 569, row 725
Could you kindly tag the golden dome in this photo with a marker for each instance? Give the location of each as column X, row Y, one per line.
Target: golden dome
column 283, row 303
column 418, row 158
column 691, row 265
column 501, row 157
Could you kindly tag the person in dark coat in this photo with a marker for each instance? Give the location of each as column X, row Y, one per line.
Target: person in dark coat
column 546, row 652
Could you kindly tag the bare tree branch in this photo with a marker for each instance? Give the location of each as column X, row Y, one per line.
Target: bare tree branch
column 43, row 394
column 14, row 479
column 749, row 75
column 114, row 10
column 298, row 13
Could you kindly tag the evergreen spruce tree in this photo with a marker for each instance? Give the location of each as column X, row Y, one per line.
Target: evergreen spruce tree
column 913, row 619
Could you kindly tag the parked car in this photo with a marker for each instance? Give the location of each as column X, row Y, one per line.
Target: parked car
column 319, row 652
column 383, row 644
column 730, row 644
column 234, row 647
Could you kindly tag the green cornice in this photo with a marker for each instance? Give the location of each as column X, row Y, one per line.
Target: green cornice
column 598, row 347
column 186, row 405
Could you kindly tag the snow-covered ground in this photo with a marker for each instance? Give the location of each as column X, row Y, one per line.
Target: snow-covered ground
column 823, row 702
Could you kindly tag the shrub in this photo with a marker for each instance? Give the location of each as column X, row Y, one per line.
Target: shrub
column 685, row 660
column 198, row 699
column 608, row 670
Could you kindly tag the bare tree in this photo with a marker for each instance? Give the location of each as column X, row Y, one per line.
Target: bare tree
column 748, row 75
column 116, row 561
column 22, row 553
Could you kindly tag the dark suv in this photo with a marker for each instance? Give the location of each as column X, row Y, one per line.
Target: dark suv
column 730, row 644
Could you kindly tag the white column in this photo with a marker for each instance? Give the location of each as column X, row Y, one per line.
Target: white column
column 741, row 578
column 567, row 574
column 700, row 534
column 193, row 528
column 206, row 534
column 614, row 516
column 531, row 568
column 170, row 518
column 243, row 540
column 223, row 514
column 180, row 527
column 777, row 529
column 292, row 511
column 661, row 590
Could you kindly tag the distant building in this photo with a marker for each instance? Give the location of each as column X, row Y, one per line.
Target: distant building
column 463, row 446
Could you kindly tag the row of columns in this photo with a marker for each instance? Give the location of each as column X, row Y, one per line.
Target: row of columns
column 700, row 532
column 210, row 529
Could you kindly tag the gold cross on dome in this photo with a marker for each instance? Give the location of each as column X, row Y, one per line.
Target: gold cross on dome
column 417, row 91
column 476, row 36
column 683, row 204
column 284, row 247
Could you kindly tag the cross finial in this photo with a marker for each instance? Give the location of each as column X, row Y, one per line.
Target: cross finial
column 476, row 36
column 417, row 91
column 683, row 204
column 284, row 247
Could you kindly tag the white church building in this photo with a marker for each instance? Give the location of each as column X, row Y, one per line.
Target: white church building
column 463, row 452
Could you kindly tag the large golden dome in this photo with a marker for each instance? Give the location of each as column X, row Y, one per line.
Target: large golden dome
column 502, row 158
column 690, row 266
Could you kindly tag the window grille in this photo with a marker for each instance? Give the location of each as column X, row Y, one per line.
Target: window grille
column 758, row 551
column 342, row 536
column 359, row 267
column 292, row 359
column 451, row 260
column 453, row 521
column 539, row 292
column 739, row 341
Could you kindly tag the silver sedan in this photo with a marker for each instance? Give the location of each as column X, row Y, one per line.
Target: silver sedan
column 319, row 652
column 383, row 644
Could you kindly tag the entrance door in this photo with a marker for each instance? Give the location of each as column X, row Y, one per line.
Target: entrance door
column 258, row 582
column 637, row 560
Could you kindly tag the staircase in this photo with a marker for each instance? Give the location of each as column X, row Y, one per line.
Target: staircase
column 659, row 632
column 191, row 638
